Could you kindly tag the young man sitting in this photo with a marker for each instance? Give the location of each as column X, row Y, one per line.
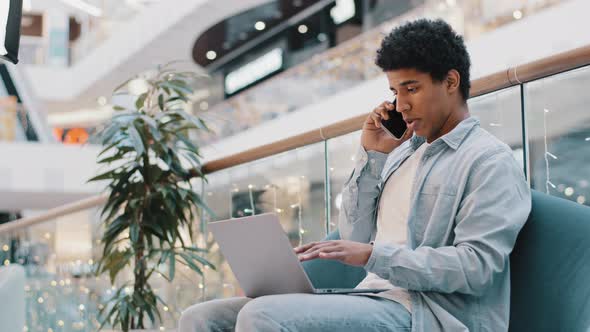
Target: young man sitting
column 432, row 217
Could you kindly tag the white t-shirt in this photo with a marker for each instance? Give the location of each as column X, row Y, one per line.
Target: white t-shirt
column 392, row 223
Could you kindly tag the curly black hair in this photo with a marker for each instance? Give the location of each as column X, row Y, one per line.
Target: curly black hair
column 430, row 46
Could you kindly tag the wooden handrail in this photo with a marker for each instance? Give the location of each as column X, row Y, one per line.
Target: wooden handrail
column 503, row 79
column 56, row 212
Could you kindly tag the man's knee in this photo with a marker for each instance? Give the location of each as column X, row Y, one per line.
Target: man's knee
column 194, row 318
column 257, row 315
column 211, row 316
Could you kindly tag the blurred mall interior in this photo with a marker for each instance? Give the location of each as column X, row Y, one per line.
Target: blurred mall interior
column 268, row 71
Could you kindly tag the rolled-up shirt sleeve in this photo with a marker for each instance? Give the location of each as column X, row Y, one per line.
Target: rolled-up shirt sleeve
column 495, row 206
column 359, row 195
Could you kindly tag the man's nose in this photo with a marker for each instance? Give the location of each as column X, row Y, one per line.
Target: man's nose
column 401, row 106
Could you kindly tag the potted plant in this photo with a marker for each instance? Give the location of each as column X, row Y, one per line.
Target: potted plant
column 151, row 203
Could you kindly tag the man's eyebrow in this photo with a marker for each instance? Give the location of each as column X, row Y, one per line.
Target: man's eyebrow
column 404, row 83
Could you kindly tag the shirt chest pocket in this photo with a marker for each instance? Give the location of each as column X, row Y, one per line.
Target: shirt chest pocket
column 434, row 215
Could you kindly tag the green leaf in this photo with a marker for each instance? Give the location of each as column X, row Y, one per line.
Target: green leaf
column 107, row 134
column 161, row 102
column 200, row 259
column 181, row 89
column 107, row 160
column 123, row 119
column 196, row 198
column 119, row 108
column 177, row 98
column 171, row 266
column 153, row 128
column 116, row 261
column 189, row 262
column 136, row 140
column 196, row 249
column 189, row 145
column 140, row 100
column 104, row 176
column 107, row 318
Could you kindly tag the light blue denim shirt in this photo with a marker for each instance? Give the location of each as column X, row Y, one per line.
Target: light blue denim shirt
column 469, row 201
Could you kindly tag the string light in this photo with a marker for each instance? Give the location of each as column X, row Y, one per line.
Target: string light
column 211, row 55
column 259, row 26
column 5, row 247
column 251, row 196
column 547, row 153
column 299, row 211
column 274, row 198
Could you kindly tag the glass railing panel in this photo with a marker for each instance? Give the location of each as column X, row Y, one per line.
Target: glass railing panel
column 61, row 292
column 500, row 113
column 290, row 184
column 342, row 151
column 222, row 282
column 558, row 127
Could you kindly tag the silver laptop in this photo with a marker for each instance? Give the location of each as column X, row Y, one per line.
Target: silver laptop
column 262, row 259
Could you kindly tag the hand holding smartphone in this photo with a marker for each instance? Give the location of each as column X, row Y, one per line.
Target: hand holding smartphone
column 395, row 126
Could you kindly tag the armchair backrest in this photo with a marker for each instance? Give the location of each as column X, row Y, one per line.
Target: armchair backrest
column 550, row 268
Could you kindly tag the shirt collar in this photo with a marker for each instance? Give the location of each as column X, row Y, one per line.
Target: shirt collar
column 454, row 138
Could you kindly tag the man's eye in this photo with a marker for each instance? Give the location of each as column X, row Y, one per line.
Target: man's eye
column 412, row 90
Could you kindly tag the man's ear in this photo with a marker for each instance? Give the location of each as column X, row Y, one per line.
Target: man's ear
column 452, row 81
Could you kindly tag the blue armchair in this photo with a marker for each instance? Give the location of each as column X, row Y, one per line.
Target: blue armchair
column 550, row 268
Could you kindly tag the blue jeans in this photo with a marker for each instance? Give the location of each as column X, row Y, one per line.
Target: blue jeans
column 296, row 312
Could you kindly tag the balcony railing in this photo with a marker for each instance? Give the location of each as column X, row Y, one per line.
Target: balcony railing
column 539, row 109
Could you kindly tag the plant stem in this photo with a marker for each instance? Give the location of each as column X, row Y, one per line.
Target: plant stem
column 140, row 272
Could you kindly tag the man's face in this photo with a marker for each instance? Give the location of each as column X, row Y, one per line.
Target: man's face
column 422, row 102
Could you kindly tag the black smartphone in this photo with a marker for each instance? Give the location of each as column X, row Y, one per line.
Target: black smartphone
column 395, row 125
